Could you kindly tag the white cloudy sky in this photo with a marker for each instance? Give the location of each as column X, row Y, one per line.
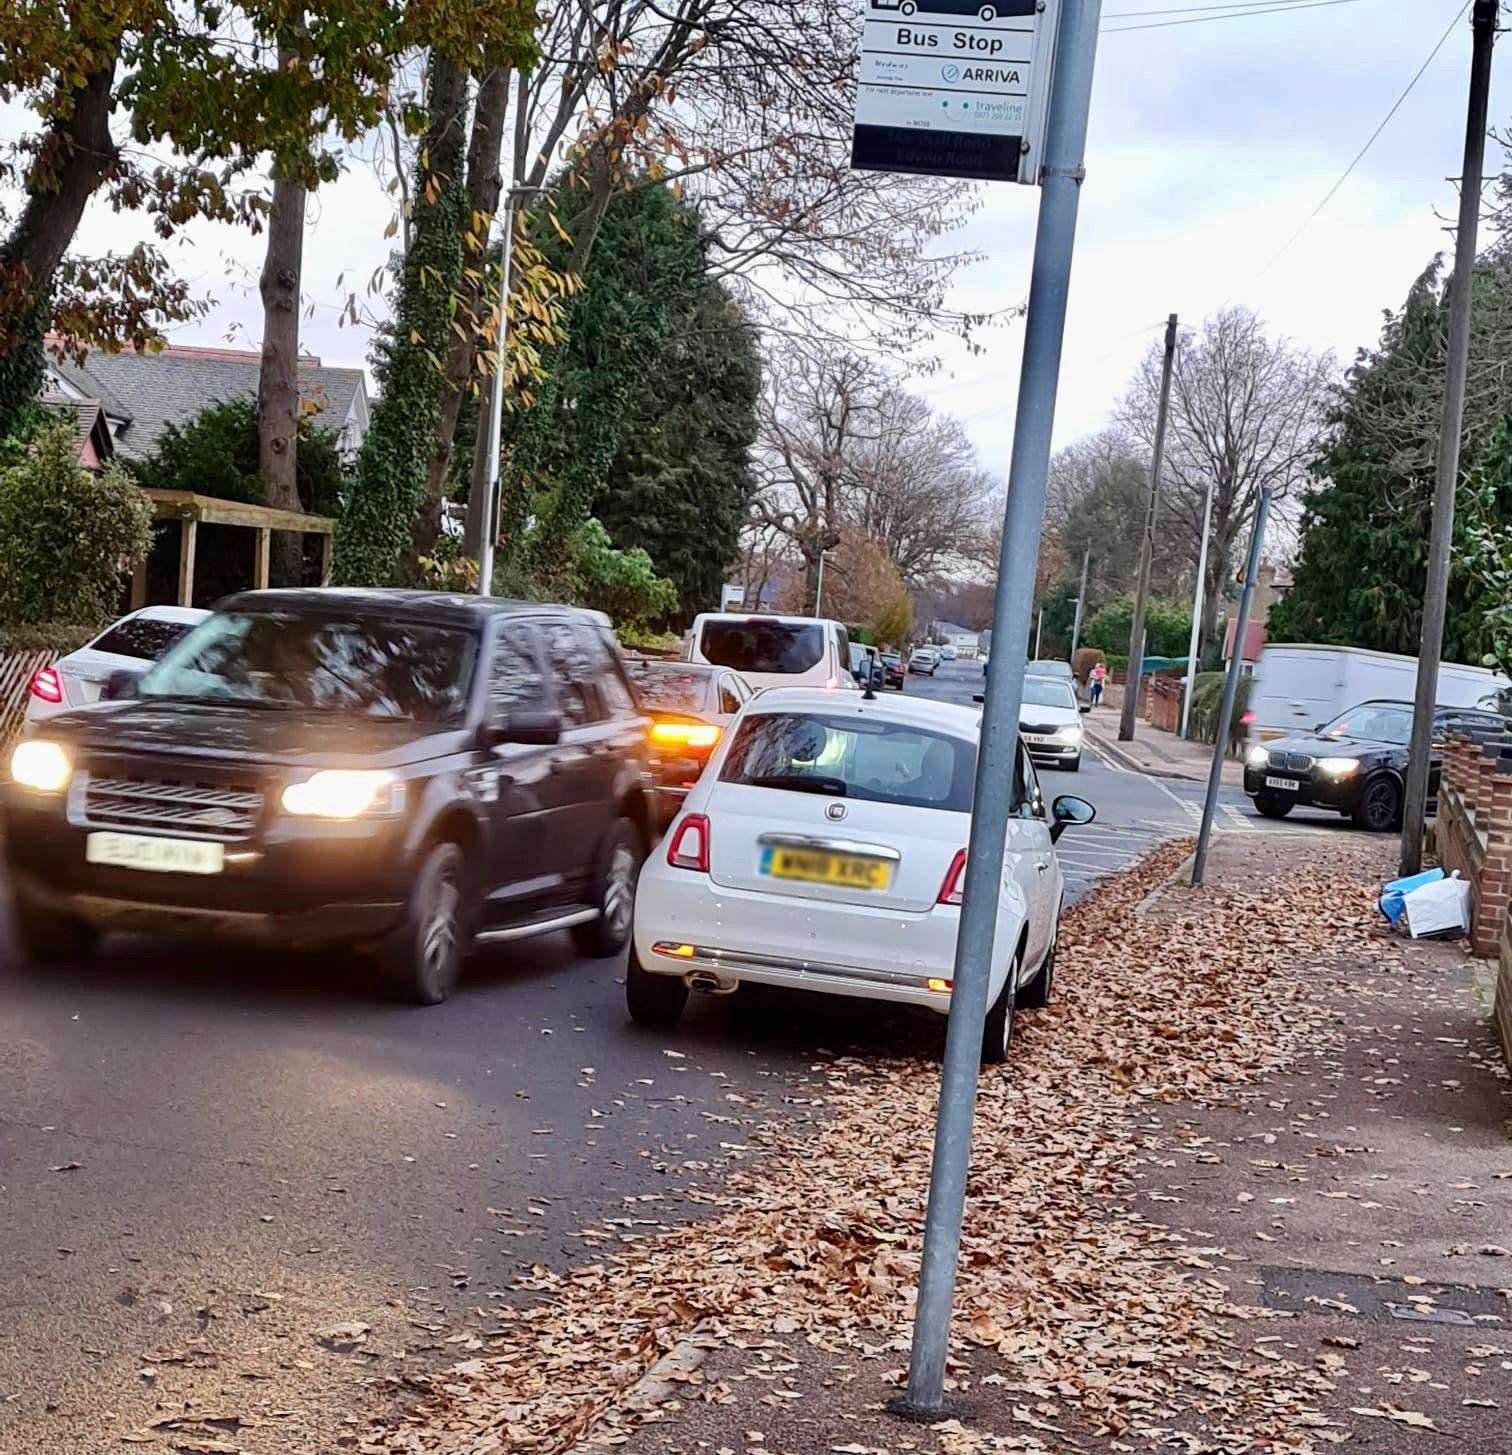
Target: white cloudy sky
column 1210, row 144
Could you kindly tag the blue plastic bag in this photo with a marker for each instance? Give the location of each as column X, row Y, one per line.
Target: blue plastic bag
column 1394, row 894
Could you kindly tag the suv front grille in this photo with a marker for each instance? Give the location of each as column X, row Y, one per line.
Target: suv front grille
column 225, row 811
column 1292, row 762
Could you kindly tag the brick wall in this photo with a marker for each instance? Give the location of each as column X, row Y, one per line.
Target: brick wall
column 1474, row 831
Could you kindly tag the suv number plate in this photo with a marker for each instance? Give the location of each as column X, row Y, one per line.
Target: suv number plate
column 1289, row 784
column 164, row 856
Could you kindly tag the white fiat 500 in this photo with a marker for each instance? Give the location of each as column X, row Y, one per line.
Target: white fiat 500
column 824, row 848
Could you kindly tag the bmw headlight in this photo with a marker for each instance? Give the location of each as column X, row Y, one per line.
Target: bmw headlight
column 344, row 793
column 41, row 766
column 1338, row 767
column 1071, row 733
column 1257, row 757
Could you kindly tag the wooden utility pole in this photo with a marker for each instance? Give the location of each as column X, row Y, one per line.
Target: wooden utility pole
column 1461, row 290
column 1147, row 545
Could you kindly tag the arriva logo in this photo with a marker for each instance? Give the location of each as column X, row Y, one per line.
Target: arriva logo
column 952, row 74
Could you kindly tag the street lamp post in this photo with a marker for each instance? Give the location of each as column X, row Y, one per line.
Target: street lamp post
column 496, row 395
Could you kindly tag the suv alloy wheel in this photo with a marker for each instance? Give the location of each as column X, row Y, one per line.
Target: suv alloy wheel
column 614, row 877
column 423, row 956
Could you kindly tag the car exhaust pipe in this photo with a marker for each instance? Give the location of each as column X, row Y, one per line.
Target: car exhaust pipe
column 710, row 984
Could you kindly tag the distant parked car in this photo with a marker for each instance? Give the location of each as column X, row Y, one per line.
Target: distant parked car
column 892, row 665
column 947, row 654
column 1049, row 667
column 924, row 662
column 690, row 706
column 132, row 644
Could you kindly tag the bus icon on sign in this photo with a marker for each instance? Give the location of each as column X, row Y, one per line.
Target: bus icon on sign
column 984, row 10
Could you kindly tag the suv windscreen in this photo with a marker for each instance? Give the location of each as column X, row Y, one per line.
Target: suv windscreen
column 853, row 757
column 763, row 646
column 1378, row 722
column 144, row 637
column 283, row 659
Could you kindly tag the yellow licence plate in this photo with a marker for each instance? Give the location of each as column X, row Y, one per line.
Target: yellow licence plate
column 816, row 867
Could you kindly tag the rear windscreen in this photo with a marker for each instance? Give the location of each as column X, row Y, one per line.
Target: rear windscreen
column 141, row 636
column 852, row 757
column 763, row 646
column 668, row 686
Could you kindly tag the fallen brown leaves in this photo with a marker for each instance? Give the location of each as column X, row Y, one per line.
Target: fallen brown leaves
column 1093, row 1312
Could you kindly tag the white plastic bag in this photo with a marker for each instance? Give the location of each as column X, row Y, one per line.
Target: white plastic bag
column 1440, row 908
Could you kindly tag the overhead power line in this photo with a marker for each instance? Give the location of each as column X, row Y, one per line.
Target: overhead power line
column 1374, row 136
column 1231, row 14
column 1244, row 5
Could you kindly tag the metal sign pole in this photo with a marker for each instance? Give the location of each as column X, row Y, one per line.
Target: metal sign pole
column 1043, row 336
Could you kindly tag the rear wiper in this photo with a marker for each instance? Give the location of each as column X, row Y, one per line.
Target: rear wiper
column 800, row 783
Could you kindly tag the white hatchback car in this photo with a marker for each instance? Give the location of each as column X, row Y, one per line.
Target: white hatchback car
column 132, row 644
column 824, row 849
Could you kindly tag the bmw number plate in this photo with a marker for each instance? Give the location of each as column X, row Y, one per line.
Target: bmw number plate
column 1289, row 784
column 163, row 856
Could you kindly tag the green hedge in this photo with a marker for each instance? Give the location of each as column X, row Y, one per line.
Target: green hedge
column 52, row 637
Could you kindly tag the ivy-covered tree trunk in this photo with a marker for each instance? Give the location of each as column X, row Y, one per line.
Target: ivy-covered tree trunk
column 484, row 185
column 74, row 156
column 278, row 376
column 391, row 470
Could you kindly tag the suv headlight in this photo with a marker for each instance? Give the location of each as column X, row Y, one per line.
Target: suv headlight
column 41, row 766
column 1258, row 757
column 1338, row 767
column 344, row 793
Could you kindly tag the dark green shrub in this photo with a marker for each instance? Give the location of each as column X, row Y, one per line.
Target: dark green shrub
column 66, row 536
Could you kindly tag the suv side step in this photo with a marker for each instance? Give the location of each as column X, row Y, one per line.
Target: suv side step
column 537, row 927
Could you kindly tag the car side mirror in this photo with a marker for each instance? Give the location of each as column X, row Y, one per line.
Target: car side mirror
column 1084, row 708
column 120, row 686
column 878, row 677
column 529, row 727
column 1069, row 811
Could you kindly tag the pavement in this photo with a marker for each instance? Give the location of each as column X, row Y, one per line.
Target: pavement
column 251, row 1185
column 1348, row 1210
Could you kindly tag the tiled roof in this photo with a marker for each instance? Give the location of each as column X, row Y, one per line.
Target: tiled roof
column 88, row 423
column 152, row 391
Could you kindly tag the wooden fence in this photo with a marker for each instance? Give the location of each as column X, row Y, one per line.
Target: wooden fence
column 16, row 672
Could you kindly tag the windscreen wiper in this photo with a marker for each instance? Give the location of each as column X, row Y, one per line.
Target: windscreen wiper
column 801, row 783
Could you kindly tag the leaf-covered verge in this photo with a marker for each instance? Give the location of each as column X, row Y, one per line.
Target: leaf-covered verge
column 1090, row 1308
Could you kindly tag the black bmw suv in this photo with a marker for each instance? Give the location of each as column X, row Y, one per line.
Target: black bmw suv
column 405, row 772
column 1355, row 765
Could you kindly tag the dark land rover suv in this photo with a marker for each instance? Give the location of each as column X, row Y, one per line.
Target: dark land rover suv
column 402, row 771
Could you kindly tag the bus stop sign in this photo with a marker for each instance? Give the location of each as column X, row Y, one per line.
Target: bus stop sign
column 955, row 88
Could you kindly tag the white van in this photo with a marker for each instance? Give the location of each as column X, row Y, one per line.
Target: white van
column 1296, row 687
column 775, row 651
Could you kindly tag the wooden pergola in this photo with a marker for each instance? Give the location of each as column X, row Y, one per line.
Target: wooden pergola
column 191, row 511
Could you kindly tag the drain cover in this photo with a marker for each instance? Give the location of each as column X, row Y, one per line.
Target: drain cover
column 1413, row 1314
column 1317, row 1291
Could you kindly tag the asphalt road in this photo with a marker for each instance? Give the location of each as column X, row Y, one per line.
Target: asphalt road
column 208, row 1157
